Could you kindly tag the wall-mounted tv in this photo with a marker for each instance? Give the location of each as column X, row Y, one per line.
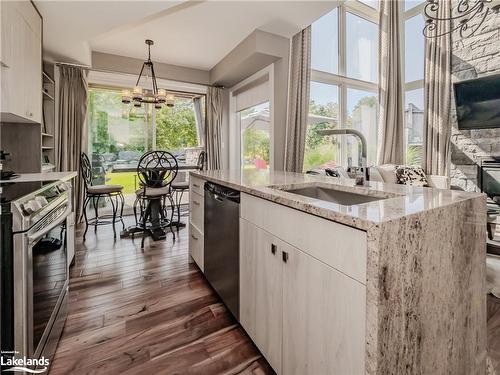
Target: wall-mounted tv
column 478, row 103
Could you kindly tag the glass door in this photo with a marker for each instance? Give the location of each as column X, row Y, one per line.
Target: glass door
column 118, row 135
column 255, row 137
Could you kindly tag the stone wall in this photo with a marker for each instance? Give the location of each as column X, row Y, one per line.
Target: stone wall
column 472, row 57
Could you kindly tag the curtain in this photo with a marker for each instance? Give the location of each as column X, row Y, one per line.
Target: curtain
column 437, row 96
column 200, row 120
column 298, row 100
column 213, row 130
column 391, row 107
column 72, row 127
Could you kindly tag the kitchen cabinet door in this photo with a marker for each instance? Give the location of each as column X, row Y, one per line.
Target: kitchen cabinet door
column 14, row 31
column 323, row 317
column 33, row 75
column 261, row 291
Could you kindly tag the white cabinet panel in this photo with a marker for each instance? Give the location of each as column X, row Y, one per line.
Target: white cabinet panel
column 196, row 250
column 342, row 247
column 21, row 62
column 324, row 316
column 196, row 210
column 261, row 290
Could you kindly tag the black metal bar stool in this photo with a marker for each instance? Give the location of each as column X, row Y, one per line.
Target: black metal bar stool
column 156, row 171
column 94, row 193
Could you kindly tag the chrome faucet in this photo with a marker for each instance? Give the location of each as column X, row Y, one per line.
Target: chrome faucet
column 362, row 141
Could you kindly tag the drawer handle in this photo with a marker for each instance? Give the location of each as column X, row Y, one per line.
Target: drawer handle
column 194, row 237
column 273, row 249
column 284, row 256
column 196, row 203
column 196, row 185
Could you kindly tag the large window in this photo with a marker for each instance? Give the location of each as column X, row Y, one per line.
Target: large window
column 413, row 58
column 255, row 136
column 344, row 61
column 119, row 134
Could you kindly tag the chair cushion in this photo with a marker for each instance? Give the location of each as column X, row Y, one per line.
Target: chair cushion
column 181, row 185
column 154, row 192
column 104, row 189
column 407, row 175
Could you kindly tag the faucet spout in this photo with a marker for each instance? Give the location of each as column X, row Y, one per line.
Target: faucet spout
column 362, row 141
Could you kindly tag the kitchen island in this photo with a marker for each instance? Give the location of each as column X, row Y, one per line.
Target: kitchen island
column 336, row 278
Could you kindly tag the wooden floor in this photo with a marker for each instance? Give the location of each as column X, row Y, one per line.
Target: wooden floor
column 147, row 312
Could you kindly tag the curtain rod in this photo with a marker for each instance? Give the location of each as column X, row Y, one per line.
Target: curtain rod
column 71, row 64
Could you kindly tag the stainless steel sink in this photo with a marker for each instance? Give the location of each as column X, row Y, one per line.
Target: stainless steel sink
column 334, row 196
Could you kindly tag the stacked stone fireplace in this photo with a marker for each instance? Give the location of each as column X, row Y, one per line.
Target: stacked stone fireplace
column 473, row 57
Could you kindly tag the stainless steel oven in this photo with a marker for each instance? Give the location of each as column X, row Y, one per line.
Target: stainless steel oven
column 40, row 269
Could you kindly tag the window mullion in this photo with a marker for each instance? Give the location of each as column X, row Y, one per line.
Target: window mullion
column 342, row 40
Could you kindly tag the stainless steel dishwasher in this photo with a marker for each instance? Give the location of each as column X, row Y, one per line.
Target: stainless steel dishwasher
column 222, row 258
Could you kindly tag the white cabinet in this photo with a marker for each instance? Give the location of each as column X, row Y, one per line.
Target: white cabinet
column 261, row 290
column 196, row 219
column 305, row 315
column 21, row 62
column 323, row 318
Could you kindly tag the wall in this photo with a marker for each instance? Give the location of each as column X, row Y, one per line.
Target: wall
column 23, row 143
column 258, row 50
column 122, row 64
column 473, row 57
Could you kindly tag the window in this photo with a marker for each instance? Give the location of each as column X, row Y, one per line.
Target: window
column 251, row 122
column 255, row 136
column 323, row 114
column 119, row 134
column 325, row 43
column 344, row 93
column 413, row 60
column 361, row 48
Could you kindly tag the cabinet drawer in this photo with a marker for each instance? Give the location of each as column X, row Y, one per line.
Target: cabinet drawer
column 196, row 246
column 196, row 184
column 196, row 210
column 341, row 247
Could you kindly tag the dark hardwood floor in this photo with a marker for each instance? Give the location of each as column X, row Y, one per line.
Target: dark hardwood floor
column 147, row 312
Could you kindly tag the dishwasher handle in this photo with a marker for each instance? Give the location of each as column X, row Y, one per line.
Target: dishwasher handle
column 222, row 193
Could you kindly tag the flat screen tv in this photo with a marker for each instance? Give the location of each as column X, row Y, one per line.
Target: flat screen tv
column 478, row 103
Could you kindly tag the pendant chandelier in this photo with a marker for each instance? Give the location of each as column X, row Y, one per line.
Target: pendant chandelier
column 155, row 96
column 467, row 17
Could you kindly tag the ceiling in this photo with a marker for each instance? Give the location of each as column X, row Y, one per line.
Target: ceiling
column 195, row 34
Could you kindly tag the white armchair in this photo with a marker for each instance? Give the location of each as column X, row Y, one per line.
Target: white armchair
column 385, row 173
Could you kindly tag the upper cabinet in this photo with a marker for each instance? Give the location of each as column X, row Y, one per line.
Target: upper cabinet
column 21, row 62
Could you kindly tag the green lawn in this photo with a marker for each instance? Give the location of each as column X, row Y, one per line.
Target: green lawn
column 126, row 179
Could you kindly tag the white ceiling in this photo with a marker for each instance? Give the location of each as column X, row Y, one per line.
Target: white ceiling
column 195, row 34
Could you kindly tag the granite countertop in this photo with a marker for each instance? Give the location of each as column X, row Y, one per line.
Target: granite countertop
column 43, row 177
column 400, row 200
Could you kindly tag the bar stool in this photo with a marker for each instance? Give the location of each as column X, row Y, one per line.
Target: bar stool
column 179, row 187
column 156, row 171
column 94, row 193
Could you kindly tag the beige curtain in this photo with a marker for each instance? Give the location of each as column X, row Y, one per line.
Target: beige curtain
column 200, row 120
column 298, row 100
column 213, row 128
column 437, row 96
column 391, row 107
column 72, row 126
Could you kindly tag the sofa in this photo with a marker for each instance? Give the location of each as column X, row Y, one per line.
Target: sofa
column 386, row 173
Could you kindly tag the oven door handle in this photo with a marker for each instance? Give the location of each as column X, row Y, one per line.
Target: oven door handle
column 35, row 236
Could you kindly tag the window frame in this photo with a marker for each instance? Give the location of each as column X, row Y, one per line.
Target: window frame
column 341, row 80
column 234, row 135
column 411, row 85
